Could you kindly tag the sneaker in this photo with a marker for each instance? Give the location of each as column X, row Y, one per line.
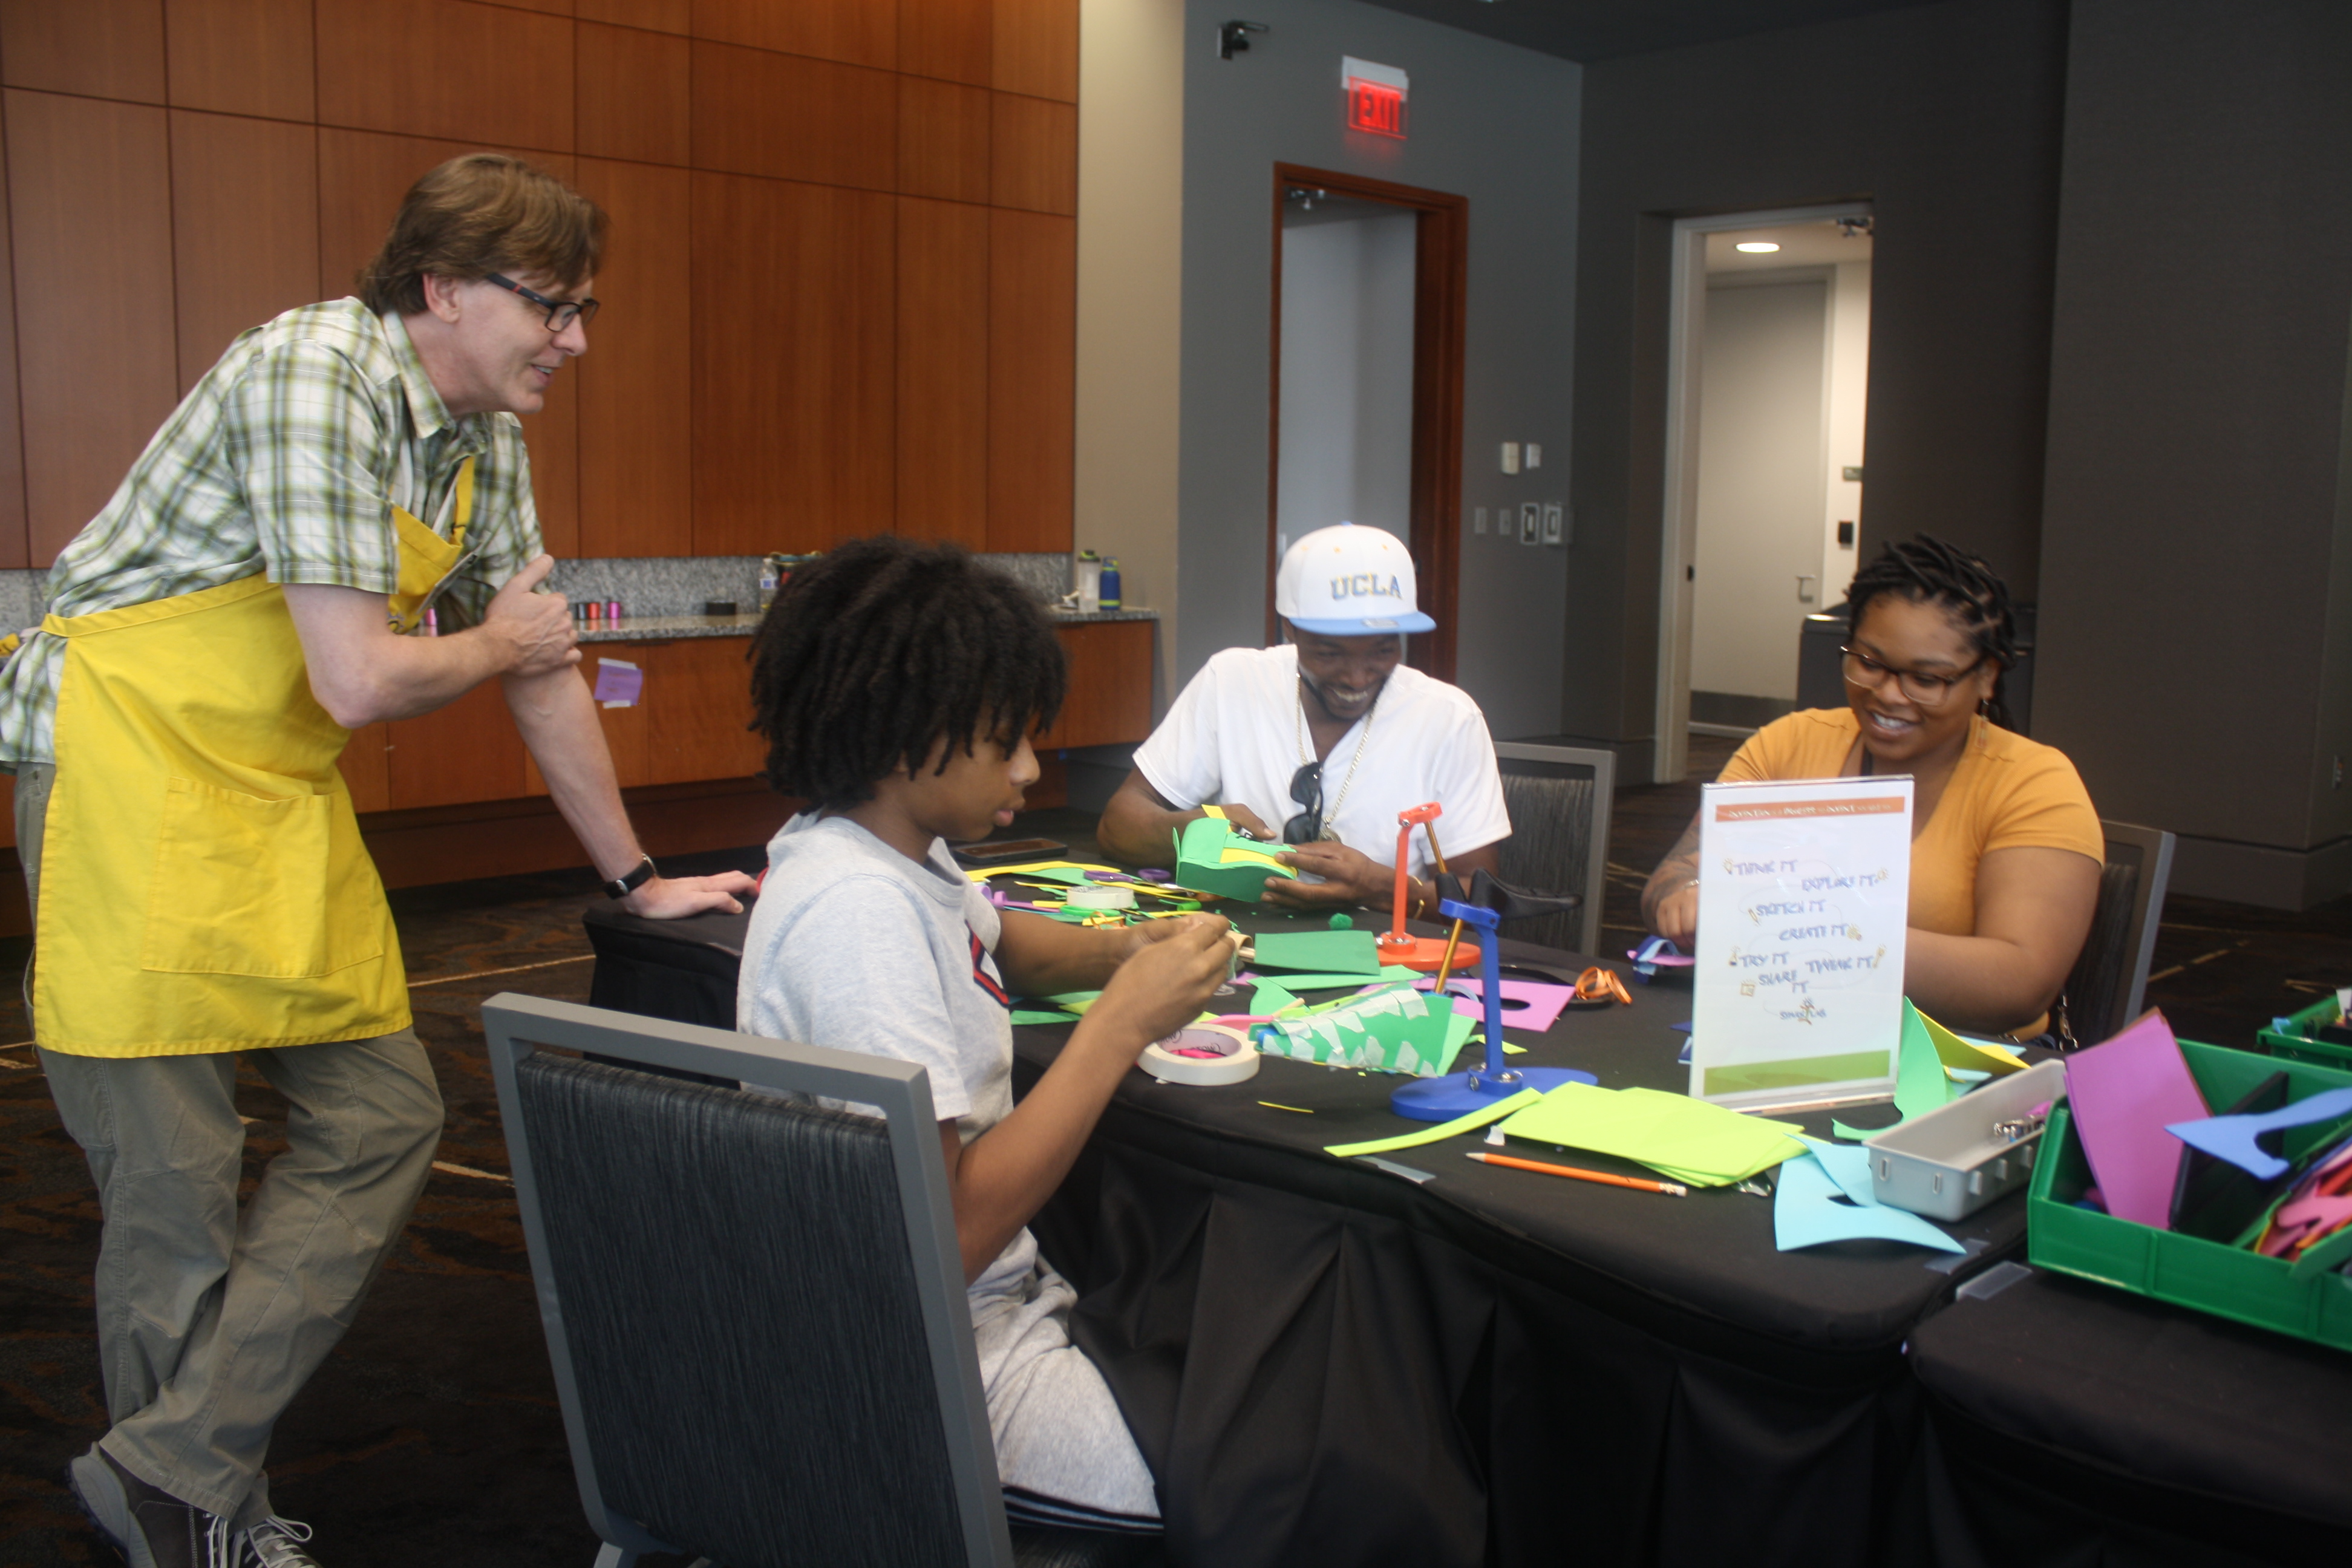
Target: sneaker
column 149, row 1526
column 276, row 1543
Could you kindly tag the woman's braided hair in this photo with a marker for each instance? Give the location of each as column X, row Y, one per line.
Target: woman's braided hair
column 1928, row 571
column 875, row 653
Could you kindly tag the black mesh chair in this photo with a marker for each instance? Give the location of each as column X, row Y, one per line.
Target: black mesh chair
column 1559, row 798
column 2109, row 980
column 754, row 1306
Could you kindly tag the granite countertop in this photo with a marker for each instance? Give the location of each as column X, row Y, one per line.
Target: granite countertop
column 665, row 629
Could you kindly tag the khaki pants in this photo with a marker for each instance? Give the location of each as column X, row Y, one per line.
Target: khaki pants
column 210, row 1323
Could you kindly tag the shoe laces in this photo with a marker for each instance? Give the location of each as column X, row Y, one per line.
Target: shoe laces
column 221, row 1550
column 276, row 1543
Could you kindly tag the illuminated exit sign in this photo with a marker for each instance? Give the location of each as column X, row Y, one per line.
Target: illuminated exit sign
column 1376, row 96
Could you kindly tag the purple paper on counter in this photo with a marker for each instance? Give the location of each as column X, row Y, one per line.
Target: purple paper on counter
column 2122, row 1094
column 618, row 682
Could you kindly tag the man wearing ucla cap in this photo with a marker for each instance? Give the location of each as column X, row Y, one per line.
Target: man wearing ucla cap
column 1319, row 742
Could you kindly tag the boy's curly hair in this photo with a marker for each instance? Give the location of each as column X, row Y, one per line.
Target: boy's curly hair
column 875, row 653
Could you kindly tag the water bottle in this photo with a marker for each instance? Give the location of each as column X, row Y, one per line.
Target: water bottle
column 1089, row 575
column 1109, row 590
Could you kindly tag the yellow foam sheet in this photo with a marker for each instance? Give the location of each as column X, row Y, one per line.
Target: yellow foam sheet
column 1976, row 1056
column 1689, row 1140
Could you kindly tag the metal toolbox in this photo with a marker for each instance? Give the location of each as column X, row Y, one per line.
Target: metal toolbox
column 1959, row 1157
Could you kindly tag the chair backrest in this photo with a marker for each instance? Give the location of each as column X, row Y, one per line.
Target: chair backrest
column 1559, row 798
column 2109, row 980
column 754, row 1305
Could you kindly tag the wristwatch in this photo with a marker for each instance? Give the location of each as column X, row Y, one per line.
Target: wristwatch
column 638, row 877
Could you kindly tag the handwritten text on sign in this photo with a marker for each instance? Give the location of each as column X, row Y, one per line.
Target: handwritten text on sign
column 1804, row 889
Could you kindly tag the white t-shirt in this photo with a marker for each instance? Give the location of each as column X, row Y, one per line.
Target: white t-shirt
column 854, row 946
column 1234, row 735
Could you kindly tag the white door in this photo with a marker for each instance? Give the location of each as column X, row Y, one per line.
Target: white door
column 1760, row 497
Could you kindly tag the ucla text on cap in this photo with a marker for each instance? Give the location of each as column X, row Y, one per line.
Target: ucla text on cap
column 1367, row 585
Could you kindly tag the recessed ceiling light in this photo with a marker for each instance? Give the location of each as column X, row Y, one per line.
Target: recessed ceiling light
column 1756, row 246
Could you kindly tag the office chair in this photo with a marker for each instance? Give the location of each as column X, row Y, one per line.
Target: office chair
column 1559, row 799
column 2109, row 980
column 754, row 1306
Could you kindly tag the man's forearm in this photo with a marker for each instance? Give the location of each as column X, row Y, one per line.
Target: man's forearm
column 558, row 721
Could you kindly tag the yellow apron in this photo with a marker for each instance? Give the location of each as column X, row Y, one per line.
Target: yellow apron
column 203, row 884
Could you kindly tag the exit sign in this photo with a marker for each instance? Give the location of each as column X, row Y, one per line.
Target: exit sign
column 1376, row 96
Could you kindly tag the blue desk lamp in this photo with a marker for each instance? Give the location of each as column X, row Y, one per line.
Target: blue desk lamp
column 1460, row 1093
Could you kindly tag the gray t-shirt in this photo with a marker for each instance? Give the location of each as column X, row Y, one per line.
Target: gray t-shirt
column 855, row 947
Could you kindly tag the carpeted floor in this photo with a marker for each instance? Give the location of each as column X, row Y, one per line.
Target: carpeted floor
column 432, row 1434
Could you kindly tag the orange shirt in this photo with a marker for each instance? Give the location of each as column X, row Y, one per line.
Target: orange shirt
column 2008, row 793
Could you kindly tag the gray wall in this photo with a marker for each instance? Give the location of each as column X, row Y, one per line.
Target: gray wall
column 1947, row 117
column 2195, row 653
column 1490, row 122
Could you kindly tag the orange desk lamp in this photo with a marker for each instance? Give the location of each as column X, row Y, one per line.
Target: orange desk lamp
column 1398, row 946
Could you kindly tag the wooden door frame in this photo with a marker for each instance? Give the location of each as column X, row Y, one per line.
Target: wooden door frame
column 1440, row 309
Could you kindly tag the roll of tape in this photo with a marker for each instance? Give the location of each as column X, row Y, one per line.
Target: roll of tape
column 1101, row 898
column 1235, row 1059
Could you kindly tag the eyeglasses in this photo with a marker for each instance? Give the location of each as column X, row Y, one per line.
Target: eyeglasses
column 560, row 314
column 1306, row 789
column 1926, row 689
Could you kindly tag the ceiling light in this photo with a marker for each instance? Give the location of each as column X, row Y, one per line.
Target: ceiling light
column 1756, row 246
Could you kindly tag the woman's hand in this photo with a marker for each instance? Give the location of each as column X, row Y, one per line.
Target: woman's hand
column 1677, row 916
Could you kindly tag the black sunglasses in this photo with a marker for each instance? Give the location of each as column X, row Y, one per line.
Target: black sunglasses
column 1306, row 789
column 560, row 314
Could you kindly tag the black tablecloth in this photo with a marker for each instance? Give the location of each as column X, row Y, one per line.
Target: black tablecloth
column 1325, row 1362
column 2069, row 1422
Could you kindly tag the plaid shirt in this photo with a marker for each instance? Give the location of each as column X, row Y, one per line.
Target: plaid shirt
column 287, row 457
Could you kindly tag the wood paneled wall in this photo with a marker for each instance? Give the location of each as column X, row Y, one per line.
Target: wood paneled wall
column 840, row 295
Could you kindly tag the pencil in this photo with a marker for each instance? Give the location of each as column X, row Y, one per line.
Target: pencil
column 1671, row 1189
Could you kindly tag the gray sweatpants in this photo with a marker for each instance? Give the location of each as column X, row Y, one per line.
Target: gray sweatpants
column 210, row 1323
column 1057, row 1431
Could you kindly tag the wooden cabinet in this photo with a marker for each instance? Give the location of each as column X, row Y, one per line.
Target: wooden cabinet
column 1109, row 700
column 698, row 712
column 463, row 752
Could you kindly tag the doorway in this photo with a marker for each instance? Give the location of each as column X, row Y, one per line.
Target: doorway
column 1767, row 383
column 1366, row 419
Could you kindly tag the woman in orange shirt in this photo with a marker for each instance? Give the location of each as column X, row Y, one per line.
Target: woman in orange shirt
column 2005, row 845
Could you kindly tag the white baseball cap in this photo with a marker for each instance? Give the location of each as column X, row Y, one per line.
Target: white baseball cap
column 1349, row 582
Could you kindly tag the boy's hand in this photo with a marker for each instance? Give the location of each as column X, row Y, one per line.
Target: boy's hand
column 1166, row 982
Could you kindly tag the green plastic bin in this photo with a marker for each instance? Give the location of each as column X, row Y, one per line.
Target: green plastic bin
column 2294, row 1044
column 2186, row 1270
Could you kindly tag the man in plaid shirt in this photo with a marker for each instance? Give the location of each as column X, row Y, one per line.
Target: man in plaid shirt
column 247, row 598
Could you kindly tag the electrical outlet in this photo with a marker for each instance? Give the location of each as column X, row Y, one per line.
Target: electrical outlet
column 1530, row 522
column 1533, row 454
column 1553, row 525
column 1510, row 456
column 1478, row 519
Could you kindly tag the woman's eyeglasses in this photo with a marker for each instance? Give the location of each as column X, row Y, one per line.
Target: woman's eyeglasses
column 1926, row 689
column 1306, row 789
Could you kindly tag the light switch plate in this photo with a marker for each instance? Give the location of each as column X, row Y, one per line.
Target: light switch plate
column 1530, row 522
column 1510, row 456
column 1533, row 454
column 1553, row 515
column 1478, row 519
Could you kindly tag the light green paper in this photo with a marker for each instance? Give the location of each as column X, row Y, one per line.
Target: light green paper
column 1443, row 1129
column 1389, row 971
column 1038, row 1016
column 1920, row 1085
column 1321, row 952
column 1696, row 1143
column 1269, row 999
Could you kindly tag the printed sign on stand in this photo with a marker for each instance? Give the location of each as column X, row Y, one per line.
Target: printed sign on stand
column 1804, row 896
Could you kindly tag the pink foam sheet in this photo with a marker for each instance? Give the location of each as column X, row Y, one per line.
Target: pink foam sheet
column 2121, row 1095
column 1531, row 1004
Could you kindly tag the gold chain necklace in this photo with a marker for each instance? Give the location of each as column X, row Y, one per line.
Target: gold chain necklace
column 1364, row 737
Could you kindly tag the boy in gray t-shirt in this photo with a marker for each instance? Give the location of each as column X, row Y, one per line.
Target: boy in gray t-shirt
column 897, row 685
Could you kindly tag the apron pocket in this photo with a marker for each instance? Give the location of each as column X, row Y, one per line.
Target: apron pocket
column 246, row 885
